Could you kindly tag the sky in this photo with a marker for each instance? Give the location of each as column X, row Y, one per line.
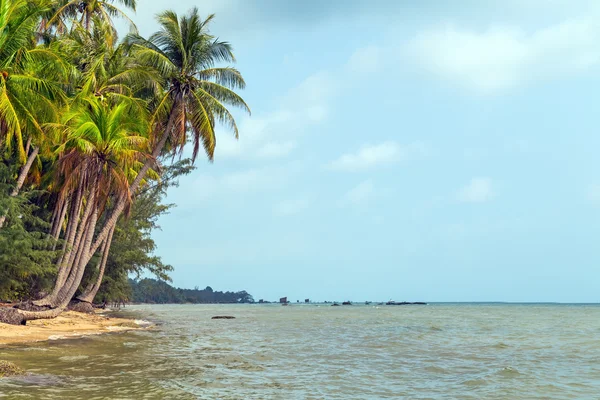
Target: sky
column 415, row 150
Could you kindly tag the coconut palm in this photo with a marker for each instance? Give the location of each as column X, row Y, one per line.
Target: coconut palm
column 103, row 142
column 197, row 91
column 129, row 105
column 30, row 87
column 85, row 12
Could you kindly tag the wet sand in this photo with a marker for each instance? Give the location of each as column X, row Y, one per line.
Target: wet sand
column 69, row 324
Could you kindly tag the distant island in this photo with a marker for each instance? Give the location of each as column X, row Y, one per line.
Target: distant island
column 154, row 291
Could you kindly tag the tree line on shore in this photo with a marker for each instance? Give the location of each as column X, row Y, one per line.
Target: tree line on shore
column 159, row 292
column 90, row 129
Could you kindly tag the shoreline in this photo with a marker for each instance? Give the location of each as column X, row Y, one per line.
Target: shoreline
column 68, row 325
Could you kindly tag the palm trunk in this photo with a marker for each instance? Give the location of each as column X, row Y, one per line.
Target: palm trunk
column 72, row 224
column 61, row 221
column 120, row 206
column 31, row 315
column 73, row 251
column 57, row 210
column 90, row 292
column 22, row 177
column 70, row 287
column 25, row 171
column 78, row 231
column 28, row 145
column 58, row 216
column 102, row 236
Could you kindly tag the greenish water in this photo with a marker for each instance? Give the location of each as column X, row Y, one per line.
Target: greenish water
column 440, row 351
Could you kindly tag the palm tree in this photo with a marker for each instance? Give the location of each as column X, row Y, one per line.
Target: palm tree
column 196, row 90
column 105, row 69
column 102, row 164
column 103, row 143
column 30, row 89
column 86, row 11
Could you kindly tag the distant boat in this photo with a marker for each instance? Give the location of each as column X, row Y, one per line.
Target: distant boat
column 307, row 300
column 346, row 303
column 405, row 303
column 283, row 300
column 335, row 305
column 367, row 303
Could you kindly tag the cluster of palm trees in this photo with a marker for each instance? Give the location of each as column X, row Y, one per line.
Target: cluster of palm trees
column 87, row 116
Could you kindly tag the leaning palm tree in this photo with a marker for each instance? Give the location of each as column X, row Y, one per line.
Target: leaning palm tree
column 197, row 92
column 103, row 142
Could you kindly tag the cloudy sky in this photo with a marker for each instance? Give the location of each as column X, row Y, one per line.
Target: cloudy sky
column 411, row 150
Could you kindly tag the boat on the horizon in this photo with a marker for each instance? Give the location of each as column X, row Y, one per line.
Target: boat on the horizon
column 346, row 303
column 335, row 305
column 405, row 303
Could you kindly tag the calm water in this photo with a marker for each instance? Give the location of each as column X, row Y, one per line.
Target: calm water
column 309, row 352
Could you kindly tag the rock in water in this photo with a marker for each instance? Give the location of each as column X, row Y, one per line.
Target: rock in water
column 9, row 369
column 223, row 317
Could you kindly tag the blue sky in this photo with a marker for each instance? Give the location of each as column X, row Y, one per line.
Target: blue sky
column 399, row 150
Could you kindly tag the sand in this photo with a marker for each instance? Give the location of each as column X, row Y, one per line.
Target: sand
column 69, row 324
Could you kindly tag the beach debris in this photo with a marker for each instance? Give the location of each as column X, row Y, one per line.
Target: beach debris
column 223, row 317
column 9, row 369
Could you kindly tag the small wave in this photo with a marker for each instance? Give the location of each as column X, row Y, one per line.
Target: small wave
column 115, row 328
column 509, row 372
column 56, row 337
column 142, row 322
column 73, row 358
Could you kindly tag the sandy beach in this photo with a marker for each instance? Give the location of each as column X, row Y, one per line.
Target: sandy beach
column 69, row 324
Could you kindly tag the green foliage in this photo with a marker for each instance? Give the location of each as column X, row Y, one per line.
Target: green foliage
column 26, row 252
column 83, row 120
column 160, row 292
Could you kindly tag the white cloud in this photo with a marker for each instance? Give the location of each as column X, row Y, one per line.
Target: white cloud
column 266, row 179
column 370, row 156
column 479, row 190
column 502, row 57
column 255, row 135
column 359, row 194
column 292, row 206
column 273, row 135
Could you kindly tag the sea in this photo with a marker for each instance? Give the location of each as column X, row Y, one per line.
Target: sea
column 315, row 351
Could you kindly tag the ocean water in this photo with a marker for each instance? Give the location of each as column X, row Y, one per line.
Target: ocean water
column 439, row 351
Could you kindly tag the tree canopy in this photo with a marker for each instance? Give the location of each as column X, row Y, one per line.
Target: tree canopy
column 90, row 130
